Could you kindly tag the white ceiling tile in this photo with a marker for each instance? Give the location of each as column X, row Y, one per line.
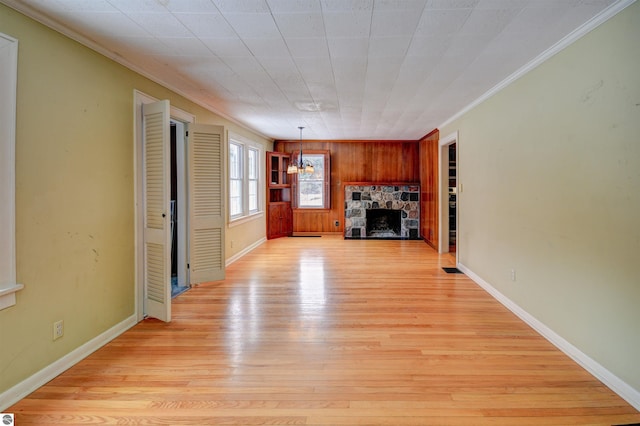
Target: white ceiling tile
column 388, row 46
column 467, row 46
column 242, row 6
column 253, row 24
column 246, row 66
column 294, row 6
column 85, row 5
column 349, row 69
column 300, row 24
column 160, row 24
column 227, row 47
column 315, row 47
column 347, row 24
column 432, row 47
column 348, row 47
column 315, row 70
column 502, row 4
column 394, row 22
column 442, row 21
column 133, row 45
column 343, row 5
column 452, row 4
column 182, row 46
column 208, row 25
column 270, row 47
column 191, row 6
column 210, row 68
column 534, row 19
column 146, row 6
column 414, row 5
column 488, row 21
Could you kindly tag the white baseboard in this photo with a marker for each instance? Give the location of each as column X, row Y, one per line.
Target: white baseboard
column 626, row 392
column 238, row 255
column 24, row 388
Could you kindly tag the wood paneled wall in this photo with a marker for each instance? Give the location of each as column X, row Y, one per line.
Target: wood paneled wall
column 429, row 146
column 354, row 161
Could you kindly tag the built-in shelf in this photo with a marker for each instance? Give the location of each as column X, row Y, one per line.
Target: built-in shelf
column 279, row 214
column 8, row 295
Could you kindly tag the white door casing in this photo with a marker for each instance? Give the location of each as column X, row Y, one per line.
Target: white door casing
column 156, row 195
column 206, row 202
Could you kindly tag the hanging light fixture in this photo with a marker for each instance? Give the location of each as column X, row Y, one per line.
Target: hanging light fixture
column 301, row 167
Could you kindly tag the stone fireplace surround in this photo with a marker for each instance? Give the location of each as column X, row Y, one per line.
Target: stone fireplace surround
column 360, row 197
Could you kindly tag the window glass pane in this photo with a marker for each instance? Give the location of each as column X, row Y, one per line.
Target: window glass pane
column 311, row 186
column 235, row 197
column 253, row 179
column 253, row 195
column 310, row 194
column 253, row 164
column 235, row 161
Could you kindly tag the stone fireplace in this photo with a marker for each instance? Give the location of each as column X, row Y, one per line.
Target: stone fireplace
column 382, row 211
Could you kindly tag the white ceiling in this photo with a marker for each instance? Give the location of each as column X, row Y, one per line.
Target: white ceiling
column 344, row 69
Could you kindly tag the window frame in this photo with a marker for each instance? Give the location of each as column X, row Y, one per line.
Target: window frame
column 8, row 90
column 247, row 146
column 326, row 195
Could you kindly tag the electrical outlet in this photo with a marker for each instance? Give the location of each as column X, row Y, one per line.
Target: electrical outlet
column 513, row 275
column 58, row 329
column 231, row 243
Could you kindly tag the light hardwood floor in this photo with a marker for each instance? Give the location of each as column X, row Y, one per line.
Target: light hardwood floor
column 323, row 331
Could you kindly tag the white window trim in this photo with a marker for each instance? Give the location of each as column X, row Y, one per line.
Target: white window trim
column 247, row 215
column 9, row 68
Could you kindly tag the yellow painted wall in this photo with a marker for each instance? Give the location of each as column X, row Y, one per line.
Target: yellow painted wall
column 75, row 195
column 550, row 169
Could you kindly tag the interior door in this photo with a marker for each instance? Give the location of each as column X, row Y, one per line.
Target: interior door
column 206, row 203
column 156, row 187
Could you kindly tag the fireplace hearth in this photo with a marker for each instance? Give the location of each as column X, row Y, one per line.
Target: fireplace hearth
column 382, row 211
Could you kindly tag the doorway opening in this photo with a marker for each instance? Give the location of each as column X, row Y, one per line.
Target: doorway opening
column 452, row 186
column 449, row 185
column 178, row 213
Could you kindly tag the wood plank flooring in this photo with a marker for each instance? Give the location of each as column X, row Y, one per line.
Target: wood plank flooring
column 323, row 331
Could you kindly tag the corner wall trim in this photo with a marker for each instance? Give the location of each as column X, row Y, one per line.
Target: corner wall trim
column 24, row 388
column 245, row 251
column 613, row 382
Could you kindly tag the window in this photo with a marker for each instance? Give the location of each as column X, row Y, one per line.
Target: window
column 235, row 179
column 244, row 178
column 313, row 190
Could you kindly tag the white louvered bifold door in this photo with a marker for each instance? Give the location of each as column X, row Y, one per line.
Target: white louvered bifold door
column 206, row 203
column 156, row 187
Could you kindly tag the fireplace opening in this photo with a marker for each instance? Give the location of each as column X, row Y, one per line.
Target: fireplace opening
column 384, row 223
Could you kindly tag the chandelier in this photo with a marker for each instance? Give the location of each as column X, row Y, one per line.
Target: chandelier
column 301, row 167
